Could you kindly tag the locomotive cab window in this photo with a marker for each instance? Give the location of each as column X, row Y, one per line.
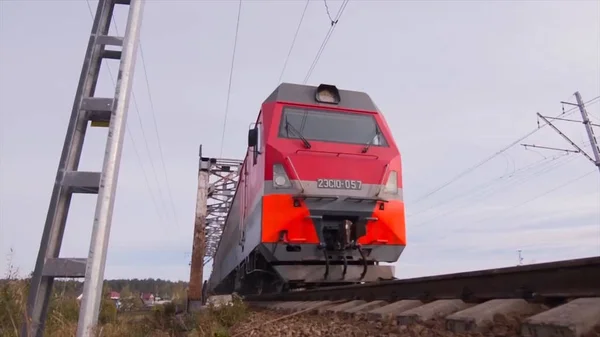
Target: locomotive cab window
column 331, row 126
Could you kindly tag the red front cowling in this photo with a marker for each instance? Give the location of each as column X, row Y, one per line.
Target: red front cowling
column 312, row 165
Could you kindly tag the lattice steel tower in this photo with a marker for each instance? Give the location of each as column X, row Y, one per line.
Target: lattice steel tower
column 102, row 112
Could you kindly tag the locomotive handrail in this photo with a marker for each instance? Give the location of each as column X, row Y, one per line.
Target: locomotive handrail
column 296, row 173
column 382, row 181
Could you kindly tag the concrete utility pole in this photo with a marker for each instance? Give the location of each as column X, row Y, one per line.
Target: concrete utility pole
column 94, row 111
column 520, row 258
column 588, row 127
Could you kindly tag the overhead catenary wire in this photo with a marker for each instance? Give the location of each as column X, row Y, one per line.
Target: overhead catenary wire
column 548, row 166
column 497, row 153
column 485, row 190
column 293, row 42
column 475, row 198
column 473, row 168
column 460, row 229
column 535, row 170
column 160, row 150
column 504, row 178
column 237, row 28
column 147, row 181
column 554, row 164
column 142, row 129
column 334, row 23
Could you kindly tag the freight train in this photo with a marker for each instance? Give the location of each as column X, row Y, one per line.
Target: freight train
column 319, row 197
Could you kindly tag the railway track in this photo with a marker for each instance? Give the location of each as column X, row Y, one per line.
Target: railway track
column 549, row 299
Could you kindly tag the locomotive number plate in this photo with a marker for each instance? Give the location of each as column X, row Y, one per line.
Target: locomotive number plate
column 340, row 184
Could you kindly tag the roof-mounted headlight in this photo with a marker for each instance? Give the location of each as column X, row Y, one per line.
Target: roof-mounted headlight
column 327, row 94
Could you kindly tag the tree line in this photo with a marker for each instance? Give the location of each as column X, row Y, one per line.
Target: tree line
column 126, row 287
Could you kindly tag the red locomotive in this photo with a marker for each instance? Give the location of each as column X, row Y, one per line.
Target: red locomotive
column 319, row 198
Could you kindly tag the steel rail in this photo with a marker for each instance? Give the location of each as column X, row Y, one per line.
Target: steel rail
column 542, row 282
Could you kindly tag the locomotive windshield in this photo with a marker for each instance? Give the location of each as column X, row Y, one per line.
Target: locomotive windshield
column 330, row 126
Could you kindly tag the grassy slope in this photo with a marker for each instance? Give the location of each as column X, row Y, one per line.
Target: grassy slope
column 161, row 321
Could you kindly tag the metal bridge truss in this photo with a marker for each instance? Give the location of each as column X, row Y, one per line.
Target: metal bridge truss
column 223, row 179
column 217, row 183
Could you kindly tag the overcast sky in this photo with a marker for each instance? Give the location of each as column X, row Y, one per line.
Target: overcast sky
column 456, row 80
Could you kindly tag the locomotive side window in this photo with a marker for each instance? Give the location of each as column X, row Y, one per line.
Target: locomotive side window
column 330, row 126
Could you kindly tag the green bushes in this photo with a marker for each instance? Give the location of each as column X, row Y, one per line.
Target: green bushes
column 108, row 312
column 63, row 312
column 12, row 302
column 213, row 321
column 161, row 321
column 228, row 315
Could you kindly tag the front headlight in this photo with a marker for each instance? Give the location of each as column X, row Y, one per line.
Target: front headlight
column 391, row 186
column 280, row 178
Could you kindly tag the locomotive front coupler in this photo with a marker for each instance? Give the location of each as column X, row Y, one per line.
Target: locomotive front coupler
column 323, row 246
column 338, row 234
column 364, row 259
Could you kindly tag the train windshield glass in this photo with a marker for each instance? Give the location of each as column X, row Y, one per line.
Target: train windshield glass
column 330, row 126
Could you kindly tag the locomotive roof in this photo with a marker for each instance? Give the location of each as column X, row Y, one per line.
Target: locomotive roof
column 305, row 94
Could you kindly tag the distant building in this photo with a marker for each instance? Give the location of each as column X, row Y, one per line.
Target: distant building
column 147, row 298
column 115, row 295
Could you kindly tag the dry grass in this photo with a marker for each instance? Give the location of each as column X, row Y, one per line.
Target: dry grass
column 162, row 321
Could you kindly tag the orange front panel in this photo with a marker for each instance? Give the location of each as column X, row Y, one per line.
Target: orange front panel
column 390, row 228
column 280, row 214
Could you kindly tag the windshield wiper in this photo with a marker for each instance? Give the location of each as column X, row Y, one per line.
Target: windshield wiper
column 298, row 133
column 366, row 148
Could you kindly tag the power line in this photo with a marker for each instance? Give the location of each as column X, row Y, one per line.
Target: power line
column 293, row 42
column 326, row 39
column 552, row 190
column 537, row 169
column 587, row 125
column 160, row 151
column 518, row 205
column 510, row 177
column 139, row 160
column 488, row 190
column 553, row 165
column 504, row 149
column 136, row 106
column 473, row 168
column 329, row 14
column 237, row 27
column 139, row 118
